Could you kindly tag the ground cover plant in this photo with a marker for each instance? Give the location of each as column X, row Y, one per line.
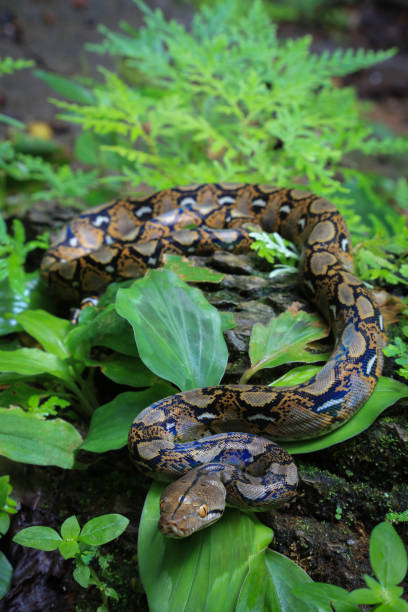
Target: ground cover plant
column 177, row 110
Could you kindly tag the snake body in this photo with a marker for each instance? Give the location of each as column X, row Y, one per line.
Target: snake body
column 216, row 440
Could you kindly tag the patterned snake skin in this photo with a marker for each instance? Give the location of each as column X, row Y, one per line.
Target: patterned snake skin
column 216, row 440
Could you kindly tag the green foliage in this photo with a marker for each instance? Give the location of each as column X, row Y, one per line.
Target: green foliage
column 399, row 350
column 8, row 65
column 81, row 545
column 7, row 506
column 388, row 559
column 273, row 247
column 182, row 112
column 13, row 252
column 397, row 517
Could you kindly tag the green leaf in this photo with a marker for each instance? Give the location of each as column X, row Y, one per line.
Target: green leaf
column 189, row 272
column 126, row 370
column 70, row 528
column 324, row 596
column 397, row 605
column 11, row 121
column 387, row 392
column 33, row 361
column 388, row 556
column 41, row 538
column 67, row 87
column 50, row 331
column 68, row 549
column 364, row 596
column 103, row 529
column 111, row 422
column 284, row 340
column 82, row 574
column 269, row 584
column 204, row 573
column 4, row 523
column 178, row 333
column 28, row 439
column 6, row 575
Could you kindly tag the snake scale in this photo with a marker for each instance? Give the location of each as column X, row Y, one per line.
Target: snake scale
column 216, row 441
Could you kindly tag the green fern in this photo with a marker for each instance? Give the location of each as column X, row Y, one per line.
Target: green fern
column 227, row 101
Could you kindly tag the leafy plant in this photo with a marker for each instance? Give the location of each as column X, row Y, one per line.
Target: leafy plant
column 388, row 559
column 181, row 112
column 273, row 247
column 399, row 350
column 81, row 545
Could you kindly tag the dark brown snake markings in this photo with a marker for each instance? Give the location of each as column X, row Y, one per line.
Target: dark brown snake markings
column 191, row 433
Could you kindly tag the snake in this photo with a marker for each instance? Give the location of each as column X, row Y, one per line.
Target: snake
column 219, row 445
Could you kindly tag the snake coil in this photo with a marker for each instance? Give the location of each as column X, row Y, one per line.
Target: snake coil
column 217, row 441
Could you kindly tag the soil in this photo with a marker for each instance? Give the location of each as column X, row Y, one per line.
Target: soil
column 345, row 490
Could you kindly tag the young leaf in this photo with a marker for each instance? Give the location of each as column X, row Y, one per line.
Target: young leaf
column 70, row 528
column 284, row 340
column 110, row 424
column 68, row 549
column 41, row 538
column 205, row 573
column 82, row 574
column 178, row 333
column 103, row 529
column 388, row 556
column 324, row 597
column 26, row 438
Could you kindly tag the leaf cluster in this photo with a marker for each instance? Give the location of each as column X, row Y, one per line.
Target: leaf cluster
column 8, row 506
column 81, row 545
column 182, row 112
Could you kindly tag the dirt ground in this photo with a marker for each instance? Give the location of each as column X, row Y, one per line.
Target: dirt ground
column 366, row 476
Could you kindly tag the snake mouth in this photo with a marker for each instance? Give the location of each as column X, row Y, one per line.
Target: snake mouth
column 170, row 529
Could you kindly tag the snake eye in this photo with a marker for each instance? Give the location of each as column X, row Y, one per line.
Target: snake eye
column 203, row 510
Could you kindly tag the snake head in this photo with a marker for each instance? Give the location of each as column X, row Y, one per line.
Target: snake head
column 193, row 502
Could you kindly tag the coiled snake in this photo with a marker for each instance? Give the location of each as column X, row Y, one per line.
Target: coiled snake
column 218, row 438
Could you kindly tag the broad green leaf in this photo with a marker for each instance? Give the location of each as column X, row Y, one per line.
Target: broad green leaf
column 82, row 574
column 387, row 392
column 70, row 528
column 368, row 596
column 41, row 538
column 68, row 549
column 33, row 361
column 67, row 87
column 103, row 529
column 388, row 556
column 111, row 422
column 296, row 376
column 178, row 333
column 322, row 597
column 190, row 273
column 101, row 328
column 4, row 523
column 126, row 370
column 269, row 584
column 87, row 148
column 6, row 574
column 396, row 605
column 50, row 331
column 284, row 340
column 202, row 573
column 28, row 439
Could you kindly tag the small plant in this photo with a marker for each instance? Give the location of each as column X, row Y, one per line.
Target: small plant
column 388, row 559
column 13, row 252
column 81, row 545
column 399, row 350
column 398, row 517
column 7, row 506
column 273, row 247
